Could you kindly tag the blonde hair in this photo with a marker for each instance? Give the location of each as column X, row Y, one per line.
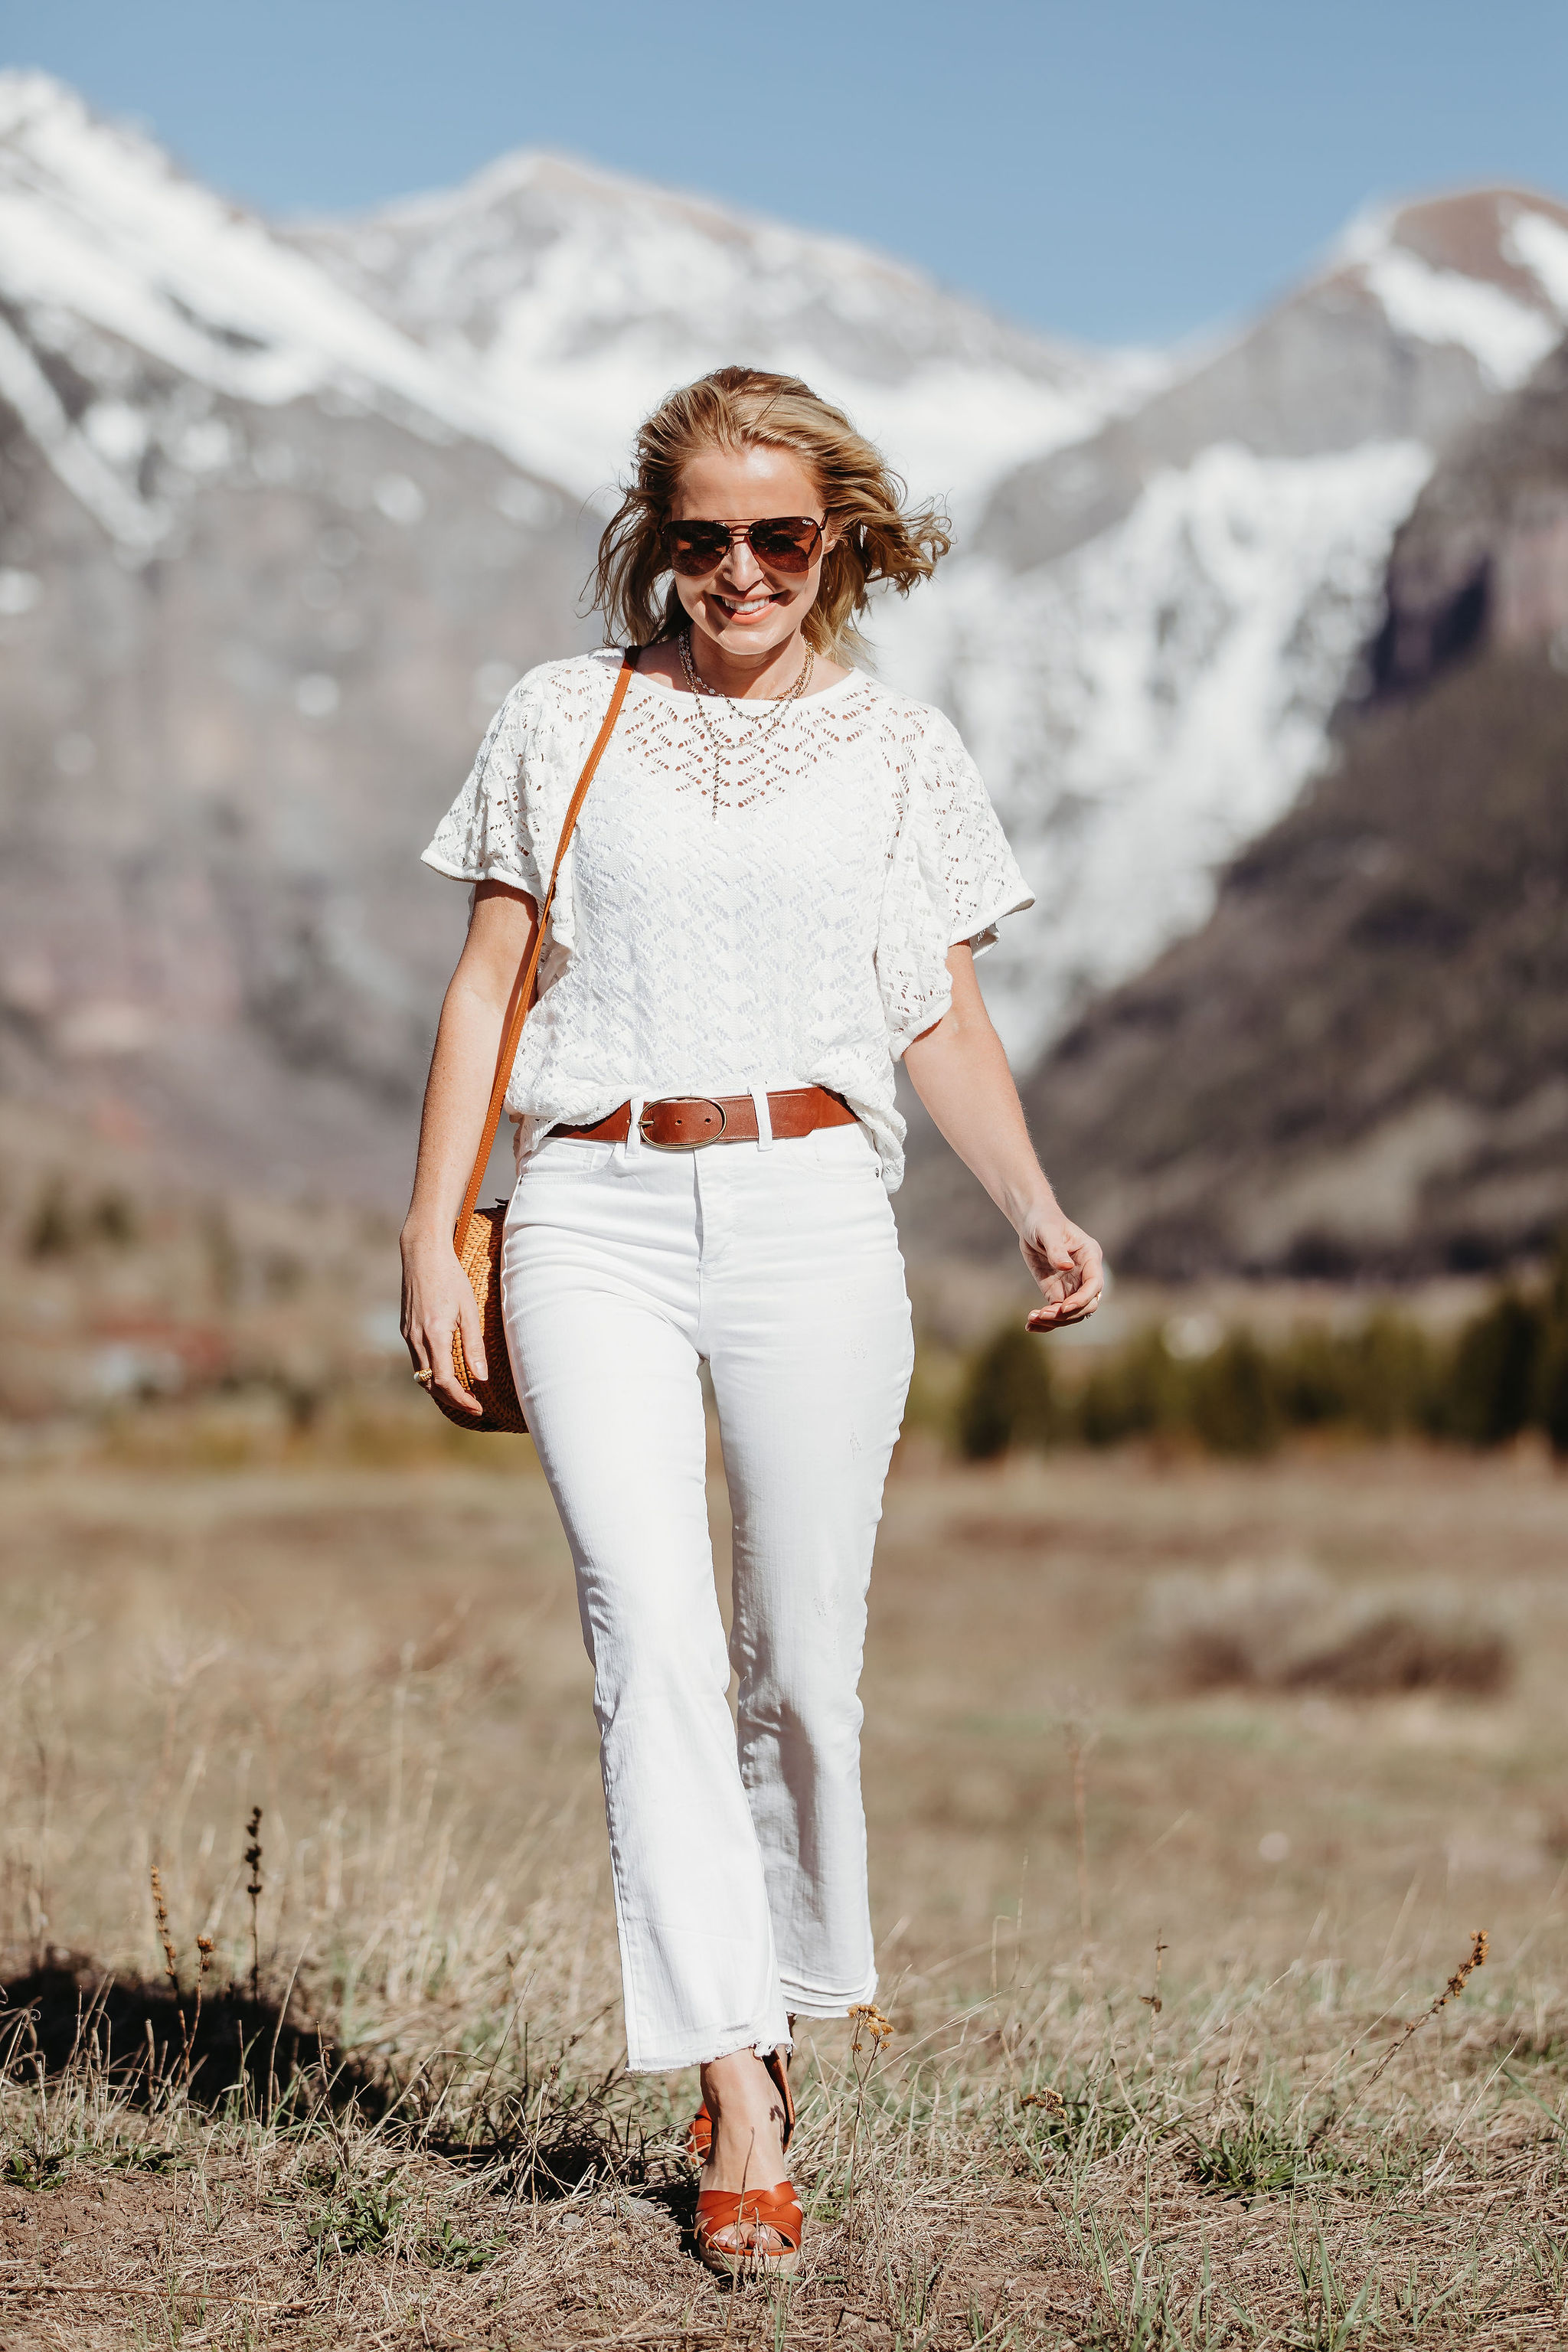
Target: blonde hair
column 738, row 408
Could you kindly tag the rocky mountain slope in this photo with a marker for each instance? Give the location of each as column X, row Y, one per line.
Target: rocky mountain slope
column 1360, row 1065
column 269, row 556
column 282, row 514
column 1154, row 624
column 264, row 568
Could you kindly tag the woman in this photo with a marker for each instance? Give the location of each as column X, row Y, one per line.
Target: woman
column 778, row 883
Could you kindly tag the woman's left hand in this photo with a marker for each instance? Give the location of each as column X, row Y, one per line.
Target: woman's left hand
column 960, row 1073
column 1067, row 1264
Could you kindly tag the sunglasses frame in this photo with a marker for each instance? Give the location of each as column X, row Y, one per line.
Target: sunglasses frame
column 743, row 530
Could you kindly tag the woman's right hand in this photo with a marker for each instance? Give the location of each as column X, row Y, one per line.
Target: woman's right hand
column 437, row 1302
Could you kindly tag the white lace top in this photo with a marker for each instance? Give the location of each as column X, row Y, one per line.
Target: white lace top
column 778, row 916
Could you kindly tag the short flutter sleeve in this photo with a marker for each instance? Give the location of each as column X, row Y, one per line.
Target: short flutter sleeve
column 952, row 878
column 487, row 835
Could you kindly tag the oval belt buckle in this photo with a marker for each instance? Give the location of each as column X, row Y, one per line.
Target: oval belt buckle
column 692, row 1143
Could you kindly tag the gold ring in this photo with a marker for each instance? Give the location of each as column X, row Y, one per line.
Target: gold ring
column 425, row 1379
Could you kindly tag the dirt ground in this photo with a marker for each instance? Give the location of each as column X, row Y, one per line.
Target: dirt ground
column 1147, row 1932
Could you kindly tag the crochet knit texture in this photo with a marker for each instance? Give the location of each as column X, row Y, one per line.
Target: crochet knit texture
column 779, row 915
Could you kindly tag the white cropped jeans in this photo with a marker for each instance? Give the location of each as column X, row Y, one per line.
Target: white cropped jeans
column 738, row 1848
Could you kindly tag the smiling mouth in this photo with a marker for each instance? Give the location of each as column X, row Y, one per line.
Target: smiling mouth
column 750, row 607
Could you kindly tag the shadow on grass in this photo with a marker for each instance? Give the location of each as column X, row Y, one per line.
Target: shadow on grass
column 543, row 2137
column 144, row 2043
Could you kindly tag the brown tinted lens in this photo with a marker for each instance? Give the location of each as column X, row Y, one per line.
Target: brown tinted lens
column 785, row 543
column 696, row 547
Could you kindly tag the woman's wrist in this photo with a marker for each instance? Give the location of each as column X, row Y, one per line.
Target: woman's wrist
column 1030, row 1206
column 424, row 1229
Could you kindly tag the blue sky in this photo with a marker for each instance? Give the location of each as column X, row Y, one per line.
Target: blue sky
column 1114, row 171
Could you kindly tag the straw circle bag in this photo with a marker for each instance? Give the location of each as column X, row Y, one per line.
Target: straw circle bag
column 479, row 1234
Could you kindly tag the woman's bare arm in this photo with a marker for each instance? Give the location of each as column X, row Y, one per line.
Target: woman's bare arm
column 437, row 1300
column 961, row 1073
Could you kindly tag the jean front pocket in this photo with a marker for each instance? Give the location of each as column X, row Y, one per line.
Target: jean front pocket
column 565, row 1155
column 847, row 1152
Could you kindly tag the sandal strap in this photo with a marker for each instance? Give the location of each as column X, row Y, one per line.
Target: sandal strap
column 766, row 2208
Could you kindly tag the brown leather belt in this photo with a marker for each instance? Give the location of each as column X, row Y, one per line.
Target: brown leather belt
column 685, row 1122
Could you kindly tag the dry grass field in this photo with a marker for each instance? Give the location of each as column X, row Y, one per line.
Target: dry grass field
column 1189, row 1785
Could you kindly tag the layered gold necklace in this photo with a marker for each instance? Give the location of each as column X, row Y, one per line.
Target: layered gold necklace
column 777, row 710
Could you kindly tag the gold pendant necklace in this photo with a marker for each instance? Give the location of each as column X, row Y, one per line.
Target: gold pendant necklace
column 700, row 687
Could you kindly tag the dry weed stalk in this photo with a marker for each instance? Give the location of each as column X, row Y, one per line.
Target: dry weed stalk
column 867, row 2018
column 171, row 1971
column 1152, row 2001
column 203, row 1962
column 253, row 1864
column 165, row 1935
column 1475, row 1958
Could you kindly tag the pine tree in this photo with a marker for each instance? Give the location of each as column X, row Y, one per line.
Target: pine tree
column 1497, row 1371
column 1008, row 1398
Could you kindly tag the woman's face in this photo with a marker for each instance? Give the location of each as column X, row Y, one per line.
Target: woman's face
column 743, row 607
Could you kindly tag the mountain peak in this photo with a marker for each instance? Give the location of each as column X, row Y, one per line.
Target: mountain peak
column 577, row 295
column 134, row 290
column 1483, row 269
column 552, row 173
column 31, row 97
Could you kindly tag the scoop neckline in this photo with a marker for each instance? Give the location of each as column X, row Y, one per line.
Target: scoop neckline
column 805, row 701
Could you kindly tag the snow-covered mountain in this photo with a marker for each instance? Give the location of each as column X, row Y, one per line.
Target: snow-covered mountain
column 1357, row 1066
column 276, row 535
column 576, row 297
column 1145, row 639
column 123, row 280
column 541, row 307
column 1164, row 597
column 282, row 513
column 265, row 566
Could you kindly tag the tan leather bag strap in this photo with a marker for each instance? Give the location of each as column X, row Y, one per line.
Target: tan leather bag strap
column 522, row 994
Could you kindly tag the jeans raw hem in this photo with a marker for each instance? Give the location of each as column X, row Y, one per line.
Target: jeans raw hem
column 799, row 2003
column 704, row 2054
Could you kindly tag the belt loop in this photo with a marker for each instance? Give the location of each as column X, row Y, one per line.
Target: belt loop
column 634, row 1143
column 765, row 1118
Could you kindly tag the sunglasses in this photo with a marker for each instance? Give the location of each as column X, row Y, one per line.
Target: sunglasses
column 783, row 543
